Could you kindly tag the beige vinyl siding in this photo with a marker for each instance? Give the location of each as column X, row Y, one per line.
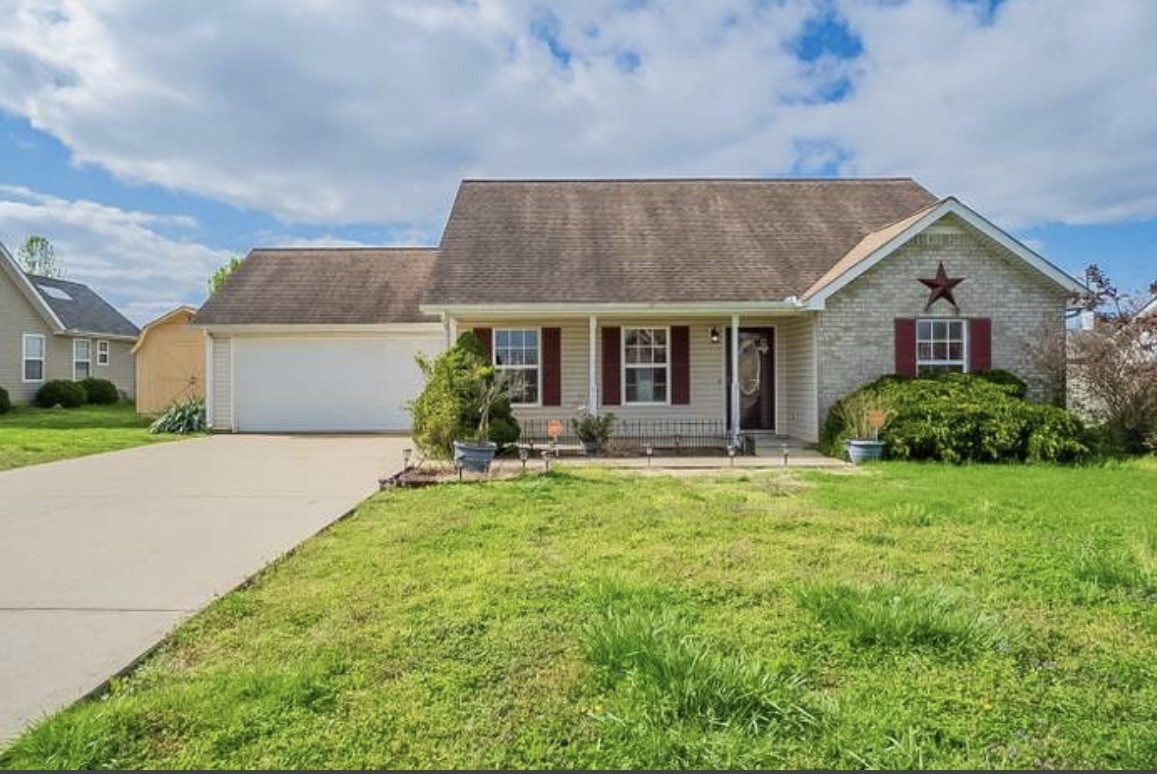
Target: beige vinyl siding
column 17, row 317
column 796, row 380
column 222, row 419
column 707, row 391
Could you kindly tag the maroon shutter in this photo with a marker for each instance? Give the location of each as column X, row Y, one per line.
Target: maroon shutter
column 612, row 367
column 552, row 366
column 979, row 344
column 680, row 365
column 486, row 336
column 905, row 346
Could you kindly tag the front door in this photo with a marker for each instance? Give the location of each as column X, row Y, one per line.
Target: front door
column 756, row 378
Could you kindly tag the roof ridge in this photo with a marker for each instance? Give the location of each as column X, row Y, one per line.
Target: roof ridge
column 893, row 179
column 337, row 248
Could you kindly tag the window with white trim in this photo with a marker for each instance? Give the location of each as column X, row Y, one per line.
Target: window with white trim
column 940, row 346
column 33, row 356
column 102, row 352
column 646, row 366
column 81, row 359
column 516, row 357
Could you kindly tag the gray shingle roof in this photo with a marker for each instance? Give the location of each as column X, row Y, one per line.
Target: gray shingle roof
column 656, row 240
column 81, row 309
column 323, row 286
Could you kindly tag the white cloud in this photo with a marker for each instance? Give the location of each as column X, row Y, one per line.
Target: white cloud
column 116, row 252
column 354, row 111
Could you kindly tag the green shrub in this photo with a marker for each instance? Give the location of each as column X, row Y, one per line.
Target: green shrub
column 61, row 392
column 450, row 407
column 1001, row 376
column 101, row 392
column 182, row 417
column 5, row 401
column 961, row 418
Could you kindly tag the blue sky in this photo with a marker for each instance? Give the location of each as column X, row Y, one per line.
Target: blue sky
column 150, row 141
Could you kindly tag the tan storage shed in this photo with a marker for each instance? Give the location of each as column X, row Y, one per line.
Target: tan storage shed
column 170, row 357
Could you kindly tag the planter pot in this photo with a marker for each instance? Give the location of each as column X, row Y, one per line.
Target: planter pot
column 591, row 447
column 475, row 455
column 861, row 451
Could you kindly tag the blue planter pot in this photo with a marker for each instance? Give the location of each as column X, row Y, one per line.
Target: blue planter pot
column 863, row 451
column 474, row 455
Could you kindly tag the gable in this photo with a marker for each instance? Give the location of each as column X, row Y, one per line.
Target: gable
column 21, row 299
column 947, row 217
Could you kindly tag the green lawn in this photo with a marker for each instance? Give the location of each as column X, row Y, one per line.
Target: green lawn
column 909, row 616
column 29, row 435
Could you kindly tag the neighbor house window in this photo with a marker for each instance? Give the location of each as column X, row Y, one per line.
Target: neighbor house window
column 81, row 358
column 516, row 356
column 102, row 352
column 645, row 365
column 33, row 357
column 940, row 346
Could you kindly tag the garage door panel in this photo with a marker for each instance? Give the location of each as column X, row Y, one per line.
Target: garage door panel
column 327, row 385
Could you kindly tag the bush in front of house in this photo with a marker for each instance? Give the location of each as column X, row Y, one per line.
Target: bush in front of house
column 965, row 418
column 182, row 417
column 1001, row 376
column 101, row 392
column 5, row 401
column 449, row 408
column 61, row 392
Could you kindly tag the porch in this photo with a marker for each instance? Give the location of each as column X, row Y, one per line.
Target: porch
column 678, row 382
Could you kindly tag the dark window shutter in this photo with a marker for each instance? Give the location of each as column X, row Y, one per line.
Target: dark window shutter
column 486, row 336
column 612, row 367
column 905, row 346
column 980, row 344
column 552, row 366
column 680, row 365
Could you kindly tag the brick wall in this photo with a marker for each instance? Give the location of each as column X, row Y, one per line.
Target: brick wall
column 856, row 328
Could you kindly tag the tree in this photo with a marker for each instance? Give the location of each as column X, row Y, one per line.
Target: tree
column 1113, row 366
column 39, row 257
column 222, row 274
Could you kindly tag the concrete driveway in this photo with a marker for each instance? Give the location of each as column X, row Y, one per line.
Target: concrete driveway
column 101, row 556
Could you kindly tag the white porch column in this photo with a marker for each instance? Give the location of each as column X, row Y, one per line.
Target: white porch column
column 593, row 385
column 451, row 331
column 734, row 386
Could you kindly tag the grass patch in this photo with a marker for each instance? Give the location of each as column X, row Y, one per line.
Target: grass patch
column 601, row 620
column 30, row 435
column 898, row 617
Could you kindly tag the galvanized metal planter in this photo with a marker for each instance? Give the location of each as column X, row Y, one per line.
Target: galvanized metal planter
column 474, row 455
column 863, row 450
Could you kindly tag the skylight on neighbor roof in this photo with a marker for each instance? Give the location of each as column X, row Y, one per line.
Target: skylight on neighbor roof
column 57, row 293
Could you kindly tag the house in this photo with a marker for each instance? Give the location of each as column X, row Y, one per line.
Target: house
column 58, row 329
column 739, row 305
column 170, row 361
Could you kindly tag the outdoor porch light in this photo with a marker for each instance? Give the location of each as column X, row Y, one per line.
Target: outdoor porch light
column 523, row 455
column 406, row 458
column 714, row 334
column 546, row 460
column 648, row 450
column 783, row 447
column 732, row 449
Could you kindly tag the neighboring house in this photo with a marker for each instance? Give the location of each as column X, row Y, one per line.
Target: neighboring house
column 57, row 329
column 739, row 305
column 170, row 361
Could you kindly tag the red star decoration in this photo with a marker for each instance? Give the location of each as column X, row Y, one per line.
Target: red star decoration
column 941, row 286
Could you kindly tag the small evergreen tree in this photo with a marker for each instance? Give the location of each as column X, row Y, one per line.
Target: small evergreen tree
column 458, row 400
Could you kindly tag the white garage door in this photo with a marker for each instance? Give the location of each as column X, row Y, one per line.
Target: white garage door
column 327, row 384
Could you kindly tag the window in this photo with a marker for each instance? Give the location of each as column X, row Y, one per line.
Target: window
column 940, row 346
column 516, row 356
column 81, row 359
column 645, row 366
column 33, row 357
column 102, row 352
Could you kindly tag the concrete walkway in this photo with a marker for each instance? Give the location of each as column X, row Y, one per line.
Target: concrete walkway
column 101, row 556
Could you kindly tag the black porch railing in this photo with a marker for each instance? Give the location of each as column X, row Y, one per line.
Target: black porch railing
column 666, row 436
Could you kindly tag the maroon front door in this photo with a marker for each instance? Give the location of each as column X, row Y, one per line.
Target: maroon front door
column 756, row 378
